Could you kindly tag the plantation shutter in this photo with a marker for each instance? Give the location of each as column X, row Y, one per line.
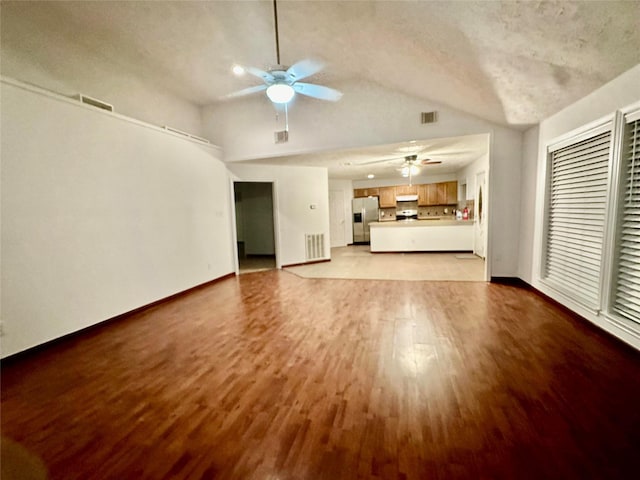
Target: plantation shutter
column 576, row 208
column 626, row 295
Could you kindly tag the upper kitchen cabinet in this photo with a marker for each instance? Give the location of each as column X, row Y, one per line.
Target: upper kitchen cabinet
column 442, row 193
column 406, row 190
column 452, row 193
column 365, row 192
column 423, row 199
column 432, row 194
column 387, row 197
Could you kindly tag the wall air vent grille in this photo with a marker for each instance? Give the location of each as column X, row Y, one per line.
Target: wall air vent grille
column 314, row 246
column 281, row 136
column 94, row 102
column 429, row 117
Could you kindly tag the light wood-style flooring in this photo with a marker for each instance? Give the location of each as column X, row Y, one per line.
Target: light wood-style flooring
column 357, row 261
column 272, row 376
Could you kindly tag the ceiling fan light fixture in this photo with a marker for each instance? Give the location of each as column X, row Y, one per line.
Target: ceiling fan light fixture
column 409, row 170
column 280, row 93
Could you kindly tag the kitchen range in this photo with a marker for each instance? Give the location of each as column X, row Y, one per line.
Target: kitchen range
column 407, row 207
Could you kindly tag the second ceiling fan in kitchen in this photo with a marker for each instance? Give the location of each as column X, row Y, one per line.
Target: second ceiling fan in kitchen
column 410, row 165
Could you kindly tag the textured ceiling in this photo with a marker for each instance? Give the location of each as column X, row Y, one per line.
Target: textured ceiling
column 513, row 63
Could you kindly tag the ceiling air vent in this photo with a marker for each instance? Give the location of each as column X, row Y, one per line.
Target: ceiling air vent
column 281, row 136
column 429, row 117
column 94, row 102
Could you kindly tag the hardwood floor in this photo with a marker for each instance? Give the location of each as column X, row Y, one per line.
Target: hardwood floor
column 272, row 376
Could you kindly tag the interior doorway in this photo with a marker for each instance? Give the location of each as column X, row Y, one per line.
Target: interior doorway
column 254, row 226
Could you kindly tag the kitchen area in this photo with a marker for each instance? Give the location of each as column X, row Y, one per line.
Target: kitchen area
column 427, row 217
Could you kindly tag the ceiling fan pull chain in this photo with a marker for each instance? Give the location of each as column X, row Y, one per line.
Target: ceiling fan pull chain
column 286, row 118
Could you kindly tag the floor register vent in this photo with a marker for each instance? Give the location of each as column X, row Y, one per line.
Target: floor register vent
column 314, row 243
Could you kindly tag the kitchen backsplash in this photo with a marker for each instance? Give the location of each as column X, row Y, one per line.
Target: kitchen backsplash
column 424, row 212
column 439, row 211
column 387, row 214
column 470, row 204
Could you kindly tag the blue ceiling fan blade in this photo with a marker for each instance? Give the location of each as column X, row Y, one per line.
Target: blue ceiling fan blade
column 317, row 91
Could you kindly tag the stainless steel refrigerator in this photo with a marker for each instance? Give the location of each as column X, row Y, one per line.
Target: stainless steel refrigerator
column 365, row 210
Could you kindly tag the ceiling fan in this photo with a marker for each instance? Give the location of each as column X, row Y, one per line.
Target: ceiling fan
column 282, row 83
column 407, row 160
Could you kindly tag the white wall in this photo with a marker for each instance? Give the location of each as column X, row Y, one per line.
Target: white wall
column 44, row 52
column 467, row 176
column 296, row 190
column 528, row 184
column 620, row 92
column 346, row 186
column 100, row 215
column 366, row 115
column 369, row 115
column 504, row 202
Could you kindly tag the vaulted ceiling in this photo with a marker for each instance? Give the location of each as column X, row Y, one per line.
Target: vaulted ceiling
column 513, row 63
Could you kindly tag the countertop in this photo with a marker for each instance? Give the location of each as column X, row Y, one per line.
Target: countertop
column 439, row 222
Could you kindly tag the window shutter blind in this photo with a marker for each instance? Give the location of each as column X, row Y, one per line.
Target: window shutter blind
column 626, row 295
column 576, row 208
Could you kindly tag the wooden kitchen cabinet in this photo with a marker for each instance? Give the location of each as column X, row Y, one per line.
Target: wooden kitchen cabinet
column 452, row 193
column 442, row 193
column 387, row 197
column 432, row 194
column 406, row 190
column 423, row 200
column 365, row 192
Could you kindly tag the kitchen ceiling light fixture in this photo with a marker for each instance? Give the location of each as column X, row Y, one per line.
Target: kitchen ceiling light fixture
column 371, row 175
column 408, row 170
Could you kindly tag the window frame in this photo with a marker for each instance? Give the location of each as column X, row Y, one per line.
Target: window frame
column 624, row 116
column 593, row 129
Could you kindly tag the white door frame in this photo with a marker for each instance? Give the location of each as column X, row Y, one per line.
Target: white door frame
column 276, row 220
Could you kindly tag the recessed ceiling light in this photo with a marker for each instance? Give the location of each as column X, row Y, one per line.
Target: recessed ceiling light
column 412, row 141
column 371, row 175
column 238, row 70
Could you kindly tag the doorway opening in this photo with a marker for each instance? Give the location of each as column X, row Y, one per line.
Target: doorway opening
column 254, row 226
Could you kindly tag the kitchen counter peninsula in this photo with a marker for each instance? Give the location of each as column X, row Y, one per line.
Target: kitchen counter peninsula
column 433, row 235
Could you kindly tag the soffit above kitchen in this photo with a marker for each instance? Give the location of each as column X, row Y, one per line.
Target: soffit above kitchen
column 513, row 63
column 385, row 161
